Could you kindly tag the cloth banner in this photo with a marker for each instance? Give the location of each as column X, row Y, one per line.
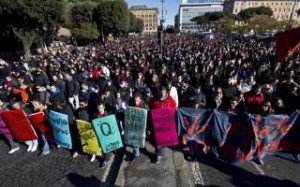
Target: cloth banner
column 88, row 138
column 135, row 126
column 61, row 129
column 42, row 124
column 4, row 129
column 194, row 127
column 270, row 130
column 19, row 125
column 108, row 133
column 240, row 144
column 164, row 127
column 239, row 137
column 287, row 42
column 290, row 142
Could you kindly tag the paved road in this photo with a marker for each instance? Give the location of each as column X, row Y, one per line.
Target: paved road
column 277, row 171
column 25, row 169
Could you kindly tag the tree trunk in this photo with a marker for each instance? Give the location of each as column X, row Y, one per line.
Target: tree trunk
column 26, row 47
column 27, row 39
column 43, row 46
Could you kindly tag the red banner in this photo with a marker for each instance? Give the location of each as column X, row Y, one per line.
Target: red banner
column 42, row 124
column 19, row 125
column 164, row 127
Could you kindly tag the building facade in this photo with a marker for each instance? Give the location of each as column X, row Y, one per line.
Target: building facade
column 282, row 9
column 193, row 8
column 149, row 17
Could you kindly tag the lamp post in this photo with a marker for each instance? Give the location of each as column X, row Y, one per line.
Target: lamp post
column 291, row 16
column 162, row 28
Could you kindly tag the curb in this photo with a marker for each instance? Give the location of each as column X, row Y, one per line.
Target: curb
column 121, row 178
column 183, row 176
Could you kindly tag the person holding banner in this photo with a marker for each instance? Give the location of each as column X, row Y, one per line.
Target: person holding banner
column 101, row 113
column 66, row 108
column 164, row 101
column 82, row 113
column 13, row 146
column 139, row 103
column 32, row 144
column 39, row 106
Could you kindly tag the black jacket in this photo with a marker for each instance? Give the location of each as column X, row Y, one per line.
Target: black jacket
column 72, row 88
column 83, row 114
column 67, row 109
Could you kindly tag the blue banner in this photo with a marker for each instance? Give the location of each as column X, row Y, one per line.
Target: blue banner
column 108, row 133
column 61, row 130
column 238, row 137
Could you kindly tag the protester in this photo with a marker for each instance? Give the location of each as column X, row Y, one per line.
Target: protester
column 32, row 144
column 164, row 101
column 138, row 103
column 13, row 145
column 100, row 114
column 39, row 106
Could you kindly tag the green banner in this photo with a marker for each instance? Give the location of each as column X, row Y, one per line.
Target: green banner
column 135, row 126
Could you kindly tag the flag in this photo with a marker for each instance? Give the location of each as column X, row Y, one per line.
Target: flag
column 287, row 42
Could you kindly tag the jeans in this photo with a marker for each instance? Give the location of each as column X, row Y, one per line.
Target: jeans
column 159, row 150
column 12, row 144
column 46, row 144
column 136, row 151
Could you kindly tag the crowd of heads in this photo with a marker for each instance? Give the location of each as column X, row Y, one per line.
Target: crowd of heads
column 228, row 73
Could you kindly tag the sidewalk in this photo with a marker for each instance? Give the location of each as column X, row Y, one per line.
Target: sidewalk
column 142, row 171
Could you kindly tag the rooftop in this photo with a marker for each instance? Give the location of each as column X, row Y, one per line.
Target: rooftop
column 142, row 7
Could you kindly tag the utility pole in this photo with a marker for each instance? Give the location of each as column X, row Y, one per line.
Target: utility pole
column 162, row 28
column 291, row 16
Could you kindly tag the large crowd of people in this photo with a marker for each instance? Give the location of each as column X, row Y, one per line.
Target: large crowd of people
column 228, row 73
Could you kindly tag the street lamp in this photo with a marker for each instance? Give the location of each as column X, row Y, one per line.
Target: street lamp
column 162, row 28
column 291, row 16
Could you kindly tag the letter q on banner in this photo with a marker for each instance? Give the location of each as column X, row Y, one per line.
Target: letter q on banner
column 108, row 133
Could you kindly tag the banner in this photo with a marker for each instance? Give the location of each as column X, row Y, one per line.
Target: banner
column 194, row 127
column 4, row 129
column 238, row 137
column 240, row 144
column 135, row 126
column 164, row 127
column 42, row 124
column 61, row 130
column 108, row 133
column 290, row 142
column 270, row 130
column 19, row 125
column 88, row 138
